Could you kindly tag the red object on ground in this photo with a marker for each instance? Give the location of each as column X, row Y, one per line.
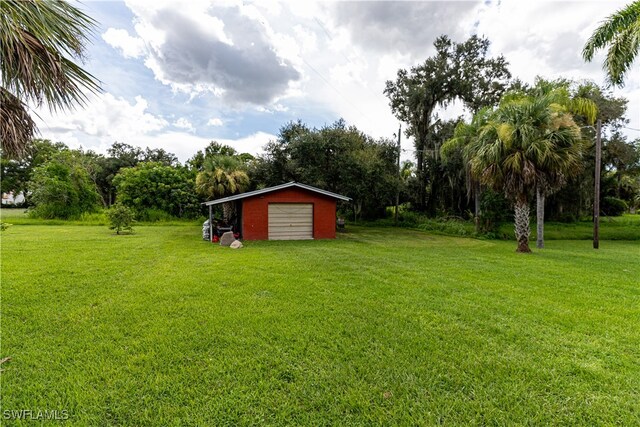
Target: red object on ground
column 215, row 239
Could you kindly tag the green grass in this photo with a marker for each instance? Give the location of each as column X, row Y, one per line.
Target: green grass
column 20, row 217
column 626, row 227
column 385, row 327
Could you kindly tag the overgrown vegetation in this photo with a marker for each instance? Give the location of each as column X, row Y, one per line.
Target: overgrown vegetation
column 62, row 188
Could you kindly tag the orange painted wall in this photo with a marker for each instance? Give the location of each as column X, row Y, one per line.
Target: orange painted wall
column 255, row 212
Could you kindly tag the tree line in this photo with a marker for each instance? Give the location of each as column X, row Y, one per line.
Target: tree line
column 520, row 144
column 60, row 182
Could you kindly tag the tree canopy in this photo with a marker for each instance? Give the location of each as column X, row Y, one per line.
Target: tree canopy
column 457, row 71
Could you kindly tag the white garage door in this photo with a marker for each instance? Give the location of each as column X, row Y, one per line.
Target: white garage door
column 290, row 221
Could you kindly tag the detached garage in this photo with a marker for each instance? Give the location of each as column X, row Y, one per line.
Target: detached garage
column 291, row 211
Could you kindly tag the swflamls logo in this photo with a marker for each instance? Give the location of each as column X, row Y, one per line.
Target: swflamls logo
column 38, row 414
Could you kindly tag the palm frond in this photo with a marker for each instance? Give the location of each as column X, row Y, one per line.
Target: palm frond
column 620, row 31
column 621, row 54
column 39, row 41
column 17, row 127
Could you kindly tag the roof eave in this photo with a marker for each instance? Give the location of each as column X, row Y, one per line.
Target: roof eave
column 276, row 188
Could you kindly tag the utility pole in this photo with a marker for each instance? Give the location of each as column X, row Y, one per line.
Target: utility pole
column 399, row 175
column 596, row 195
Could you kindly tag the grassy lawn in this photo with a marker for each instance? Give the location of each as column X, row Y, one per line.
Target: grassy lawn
column 625, row 227
column 381, row 326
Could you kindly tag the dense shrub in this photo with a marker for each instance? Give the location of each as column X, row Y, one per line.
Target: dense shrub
column 154, row 215
column 150, row 187
column 62, row 188
column 494, row 209
column 566, row 217
column 612, row 206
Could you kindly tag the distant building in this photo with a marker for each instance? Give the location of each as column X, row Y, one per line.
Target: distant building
column 9, row 199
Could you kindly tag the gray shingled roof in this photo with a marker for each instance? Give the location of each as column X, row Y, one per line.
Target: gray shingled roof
column 276, row 188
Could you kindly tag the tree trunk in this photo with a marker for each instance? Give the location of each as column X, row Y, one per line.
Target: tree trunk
column 522, row 229
column 476, row 201
column 539, row 217
column 228, row 209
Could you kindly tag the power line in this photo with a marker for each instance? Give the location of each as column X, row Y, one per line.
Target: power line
column 625, row 127
column 321, row 25
column 334, row 88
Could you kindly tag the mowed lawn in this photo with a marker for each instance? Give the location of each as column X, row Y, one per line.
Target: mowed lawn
column 378, row 327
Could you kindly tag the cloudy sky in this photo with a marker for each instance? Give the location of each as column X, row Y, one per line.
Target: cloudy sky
column 177, row 75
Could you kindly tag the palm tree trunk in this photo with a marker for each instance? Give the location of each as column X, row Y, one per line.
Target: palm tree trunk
column 540, row 217
column 477, row 212
column 228, row 209
column 522, row 229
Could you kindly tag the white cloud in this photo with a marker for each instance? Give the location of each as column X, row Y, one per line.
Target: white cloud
column 183, row 123
column 107, row 119
column 131, row 47
column 214, row 122
column 226, row 49
column 105, row 116
column 279, row 108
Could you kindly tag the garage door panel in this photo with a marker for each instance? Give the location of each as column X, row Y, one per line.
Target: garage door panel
column 290, row 221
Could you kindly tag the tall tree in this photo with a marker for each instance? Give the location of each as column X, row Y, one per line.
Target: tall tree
column 336, row 157
column 567, row 153
column 464, row 140
column 622, row 160
column 620, row 32
column 457, row 71
column 215, row 149
column 38, row 42
column 575, row 199
column 522, row 137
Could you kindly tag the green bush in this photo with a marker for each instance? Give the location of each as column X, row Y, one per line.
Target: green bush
column 62, row 188
column 494, row 209
column 94, row 217
column 152, row 187
column 120, row 218
column 566, row 217
column 452, row 227
column 155, row 215
column 612, row 206
column 4, row 226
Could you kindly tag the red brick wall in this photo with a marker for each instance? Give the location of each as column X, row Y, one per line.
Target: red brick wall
column 255, row 210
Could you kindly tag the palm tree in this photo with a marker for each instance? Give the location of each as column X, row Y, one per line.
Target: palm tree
column 523, row 140
column 222, row 176
column 621, row 33
column 563, row 159
column 566, row 150
column 38, row 40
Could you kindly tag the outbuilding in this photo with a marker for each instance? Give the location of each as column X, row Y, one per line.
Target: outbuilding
column 290, row 211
